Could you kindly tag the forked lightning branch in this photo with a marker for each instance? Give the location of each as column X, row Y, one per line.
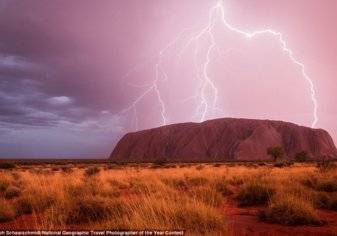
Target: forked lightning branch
column 206, row 95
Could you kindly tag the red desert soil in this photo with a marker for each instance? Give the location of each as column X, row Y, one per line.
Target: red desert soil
column 244, row 221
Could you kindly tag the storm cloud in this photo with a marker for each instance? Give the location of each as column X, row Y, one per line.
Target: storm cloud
column 66, row 68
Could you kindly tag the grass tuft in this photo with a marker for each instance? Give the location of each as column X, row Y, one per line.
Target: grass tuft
column 23, row 205
column 196, row 181
column 91, row 171
column 221, row 187
column 90, row 209
column 176, row 183
column 12, row 192
column 326, row 201
column 6, row 211
column 288, row 210
column 207, row 195
column 254, row 193
column 325, row 183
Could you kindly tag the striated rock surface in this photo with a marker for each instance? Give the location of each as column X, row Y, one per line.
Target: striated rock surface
column 222, row 140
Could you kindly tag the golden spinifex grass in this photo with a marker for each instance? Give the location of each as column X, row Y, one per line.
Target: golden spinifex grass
column 184, row 196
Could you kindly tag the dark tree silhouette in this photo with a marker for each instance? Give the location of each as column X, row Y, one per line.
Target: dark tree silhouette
column 302, row 156
column 276, row 152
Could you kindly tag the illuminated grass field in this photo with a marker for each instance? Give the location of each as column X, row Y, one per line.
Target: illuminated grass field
column 199, row 198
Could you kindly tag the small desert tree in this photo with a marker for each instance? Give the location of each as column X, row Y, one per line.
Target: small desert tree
column 302, row 156
column 276, row 152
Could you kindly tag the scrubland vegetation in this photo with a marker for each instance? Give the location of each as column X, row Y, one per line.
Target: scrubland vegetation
column 192, row 197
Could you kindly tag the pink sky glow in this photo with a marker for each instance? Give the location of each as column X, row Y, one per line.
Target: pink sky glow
column 77, row 75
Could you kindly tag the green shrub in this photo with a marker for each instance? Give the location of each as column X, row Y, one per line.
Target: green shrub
column 254, row 193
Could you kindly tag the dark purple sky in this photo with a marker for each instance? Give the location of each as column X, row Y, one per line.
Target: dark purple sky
column 71, row 70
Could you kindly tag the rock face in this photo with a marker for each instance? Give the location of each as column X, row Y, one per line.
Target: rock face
column 222, row 140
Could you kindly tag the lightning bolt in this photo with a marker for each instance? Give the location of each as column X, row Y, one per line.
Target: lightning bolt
column 207, row 92
column 160, row 74
column 285, row 48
